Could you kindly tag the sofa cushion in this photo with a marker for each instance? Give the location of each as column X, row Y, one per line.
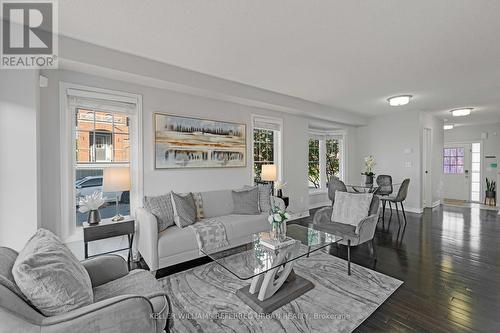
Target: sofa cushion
column 351, row 208
column 217, row 203
column 50, row 276
column 177, row 240
column 137, row 282
column 184, row 209
column 161, row 207
column 264, row 197
column 246, row 201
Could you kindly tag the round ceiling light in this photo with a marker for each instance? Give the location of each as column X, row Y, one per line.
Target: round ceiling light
column 399, row 100
column 448, row 127
column 461, row 112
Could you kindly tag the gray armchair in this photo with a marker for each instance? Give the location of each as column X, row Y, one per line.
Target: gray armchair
column 351, row 236
column 123, row 301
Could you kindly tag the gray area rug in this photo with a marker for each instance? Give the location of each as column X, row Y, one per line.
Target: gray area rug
column 203, row 299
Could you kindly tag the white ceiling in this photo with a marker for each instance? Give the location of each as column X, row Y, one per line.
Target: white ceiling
column 346, row 54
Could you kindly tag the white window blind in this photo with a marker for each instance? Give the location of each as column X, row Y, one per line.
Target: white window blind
column 99, row 101
column 267, row 123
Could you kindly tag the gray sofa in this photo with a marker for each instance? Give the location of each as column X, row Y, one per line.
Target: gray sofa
column 123, row 301
column 175, row 245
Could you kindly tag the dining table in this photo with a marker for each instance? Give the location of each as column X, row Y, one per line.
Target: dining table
column 367, row 188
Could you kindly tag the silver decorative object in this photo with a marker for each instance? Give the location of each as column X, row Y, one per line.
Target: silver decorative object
column 94, row 217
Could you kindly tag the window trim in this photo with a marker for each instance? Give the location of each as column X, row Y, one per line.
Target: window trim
column 278, row 142
column 68, row 229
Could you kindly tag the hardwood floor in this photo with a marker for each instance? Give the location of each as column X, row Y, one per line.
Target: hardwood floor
column 449, row 262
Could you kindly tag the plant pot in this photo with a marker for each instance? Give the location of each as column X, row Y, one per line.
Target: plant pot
column 367, row 180
column 491, row 194
column 94, row 217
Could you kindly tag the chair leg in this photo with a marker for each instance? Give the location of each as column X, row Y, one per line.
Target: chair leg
column 383, row 214
column 397, row 213
column 348, row 257
column 374, row 251
column 405, row 223
column 390, row 216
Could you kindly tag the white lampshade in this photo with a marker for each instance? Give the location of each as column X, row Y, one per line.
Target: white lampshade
column 269, row 173
column 116, row 179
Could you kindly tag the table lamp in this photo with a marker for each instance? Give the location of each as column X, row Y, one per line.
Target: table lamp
column 116, row 179
column 270, row 174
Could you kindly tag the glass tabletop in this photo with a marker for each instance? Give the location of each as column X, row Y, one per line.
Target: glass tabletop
column 368, row 188
column 254, row 258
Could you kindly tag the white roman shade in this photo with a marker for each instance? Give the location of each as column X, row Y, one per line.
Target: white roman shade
column 101, row 101
column 266, row 123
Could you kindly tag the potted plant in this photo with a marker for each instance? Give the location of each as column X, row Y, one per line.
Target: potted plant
column 491, row 194
column 368, row 173
column 277, row 219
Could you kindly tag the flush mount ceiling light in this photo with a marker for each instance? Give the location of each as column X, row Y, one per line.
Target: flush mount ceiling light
column 399, row 100
column 461, row 112
column 448, row 126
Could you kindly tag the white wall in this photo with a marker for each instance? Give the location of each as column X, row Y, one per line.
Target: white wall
column 491, row 145
column 394, row 141
column 160, row 181
column 19, row 100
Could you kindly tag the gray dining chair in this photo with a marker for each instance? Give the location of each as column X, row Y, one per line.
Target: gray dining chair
column 334, row 185
column 384, row 189
column 400, row 197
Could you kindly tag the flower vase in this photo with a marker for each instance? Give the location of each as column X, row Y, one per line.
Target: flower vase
column 94, row 217
column 278, row 231
column 367, row 180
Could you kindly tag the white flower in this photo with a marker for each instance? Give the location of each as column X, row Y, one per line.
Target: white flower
column 270, row 219
column 91, row 202
column 287, row 216
column 277, row 217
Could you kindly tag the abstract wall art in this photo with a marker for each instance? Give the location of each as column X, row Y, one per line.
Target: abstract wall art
column 184, row 142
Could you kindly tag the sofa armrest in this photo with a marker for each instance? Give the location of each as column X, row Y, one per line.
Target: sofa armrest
column 147, row 237
column 126, row 313
column 322, row 215
column 106, row 268
column 366, row 228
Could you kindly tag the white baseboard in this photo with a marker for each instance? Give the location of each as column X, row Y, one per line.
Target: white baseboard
column 414, row 210
column 436, row 203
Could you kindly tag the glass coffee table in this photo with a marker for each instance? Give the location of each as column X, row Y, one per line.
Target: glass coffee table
column 273, row 281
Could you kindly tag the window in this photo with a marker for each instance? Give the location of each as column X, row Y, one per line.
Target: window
column 453, row 160
column 332, row 158
column 325, row 159
column 101, row 129
column 314, row 170
column 102, row 140
column 263, row 150
column 266, row 144
column 475, row 194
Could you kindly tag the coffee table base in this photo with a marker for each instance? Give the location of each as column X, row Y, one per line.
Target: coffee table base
column 294, row 286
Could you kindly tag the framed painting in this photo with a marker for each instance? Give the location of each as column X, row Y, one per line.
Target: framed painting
column 184, row 142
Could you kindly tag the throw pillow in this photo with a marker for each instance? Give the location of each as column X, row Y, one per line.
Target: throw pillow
column 246, row 201
column 351, row 208
column 184, row 209
column 161, row 207
column 264, row 197
column 50, row 276
column 198, row 202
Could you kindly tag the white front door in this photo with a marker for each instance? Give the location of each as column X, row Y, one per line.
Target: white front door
column 427, row 167
column 456, row 171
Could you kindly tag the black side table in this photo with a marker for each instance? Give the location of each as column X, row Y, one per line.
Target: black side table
column 107, row 229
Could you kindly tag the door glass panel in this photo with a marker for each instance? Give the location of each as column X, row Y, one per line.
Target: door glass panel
column 476, row 167
column 475, row 187
column 475, row 177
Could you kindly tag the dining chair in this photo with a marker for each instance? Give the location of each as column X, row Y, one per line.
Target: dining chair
column 400, row 197
column 384, row 188
column 334, row 185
